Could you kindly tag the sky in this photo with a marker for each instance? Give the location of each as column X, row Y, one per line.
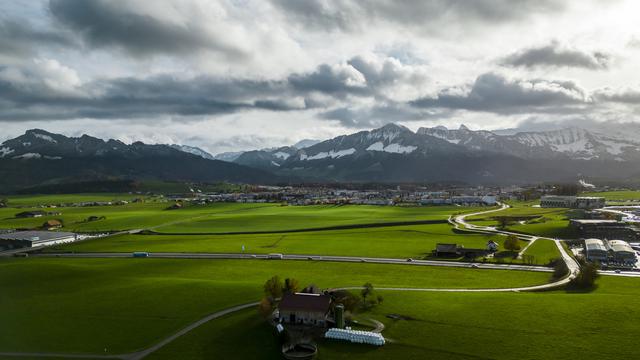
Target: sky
column 244, row 74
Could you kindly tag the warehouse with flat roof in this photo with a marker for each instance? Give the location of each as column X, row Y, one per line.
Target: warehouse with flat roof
column 27, row 239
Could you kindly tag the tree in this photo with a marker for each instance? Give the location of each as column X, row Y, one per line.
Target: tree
column 380, row 299
column 4, row 203
column 586, row 277
column 290, row 286
column 273, row 287
column 560, row 268
column 503, row 221
column 265, row 307
column 512, row 243
column 367, row 289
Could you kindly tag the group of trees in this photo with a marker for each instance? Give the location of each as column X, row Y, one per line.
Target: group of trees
column 512, row 243
column 586, row 277
column 274, row 288
column 352, row 302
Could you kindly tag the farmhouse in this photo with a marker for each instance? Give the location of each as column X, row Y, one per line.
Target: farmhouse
column 304, row 309
column 22, row 239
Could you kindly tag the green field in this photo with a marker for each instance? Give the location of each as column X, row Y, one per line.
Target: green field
column 554, row 325
column 616, row 195
column 127, row 304
column 416, row 241
column 218, row 217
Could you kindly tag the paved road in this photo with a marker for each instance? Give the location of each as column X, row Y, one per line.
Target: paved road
column 351, row 259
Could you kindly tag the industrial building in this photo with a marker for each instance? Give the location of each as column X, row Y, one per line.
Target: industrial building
column 604, row 229
column 28, row 239
column 595, row 250
column 571, row 202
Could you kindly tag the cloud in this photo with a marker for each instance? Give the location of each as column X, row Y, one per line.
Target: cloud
column 137, row 29
column 19, row 39
column 554, row 55
column 495, row 93
column 352, row 15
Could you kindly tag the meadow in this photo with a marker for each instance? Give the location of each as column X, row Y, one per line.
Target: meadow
column 416, row 241
column 600, row 324
column 212, row 218
column 121, row 305
column 615, row 195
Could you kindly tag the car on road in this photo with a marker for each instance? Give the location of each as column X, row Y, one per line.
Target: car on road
column 275, row 256
column 617, row 271
column 409, row 260
column 140, row 254
column 21, row 255
column 474, row 266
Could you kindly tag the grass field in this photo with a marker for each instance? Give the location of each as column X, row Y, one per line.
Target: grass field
column 615, row 195
column 416, row 241
column 543, row 251
column 219, row 217
column 87, row 305
column 555, row 325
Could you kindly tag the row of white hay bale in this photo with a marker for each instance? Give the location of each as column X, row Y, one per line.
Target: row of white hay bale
column 355, row 336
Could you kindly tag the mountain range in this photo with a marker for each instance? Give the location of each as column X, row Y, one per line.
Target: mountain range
column 39, row 158
column 392, row 153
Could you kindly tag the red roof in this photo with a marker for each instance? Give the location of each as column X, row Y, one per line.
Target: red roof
column 305, row 302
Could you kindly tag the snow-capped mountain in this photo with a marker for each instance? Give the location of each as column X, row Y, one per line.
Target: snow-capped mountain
column 269, row 159
column 40, row 157
column 193, row 150
column 574, row 143
column 391, row 138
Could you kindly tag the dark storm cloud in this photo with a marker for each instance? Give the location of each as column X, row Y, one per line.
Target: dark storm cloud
column 553, row 55
column 353, row 14
column 108, row 24
column 20, row 38
column 495, row 93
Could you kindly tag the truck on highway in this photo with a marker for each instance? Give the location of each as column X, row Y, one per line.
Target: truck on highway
column 140, row 254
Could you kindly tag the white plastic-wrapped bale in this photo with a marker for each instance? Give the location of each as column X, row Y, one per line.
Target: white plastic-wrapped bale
column 355, row 336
